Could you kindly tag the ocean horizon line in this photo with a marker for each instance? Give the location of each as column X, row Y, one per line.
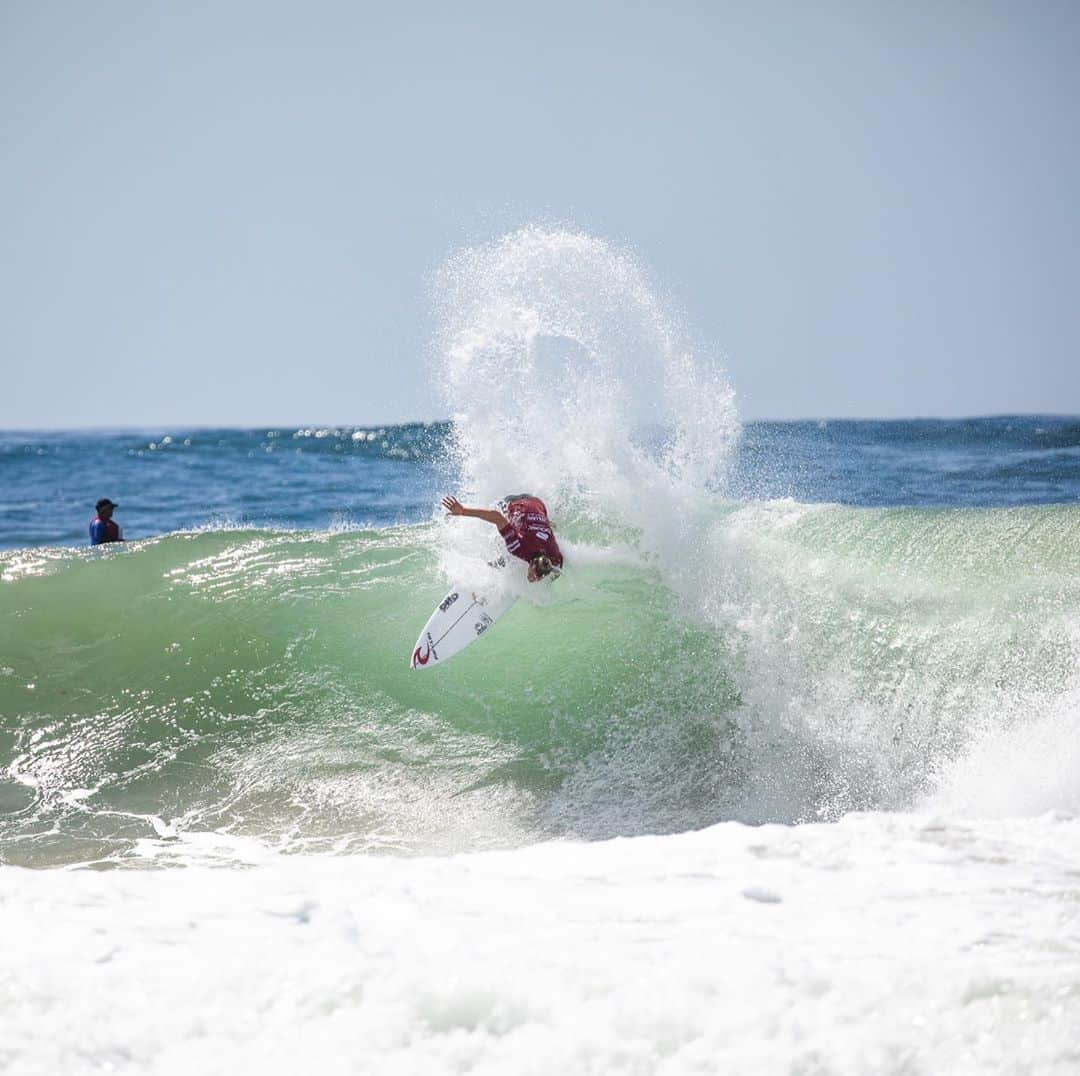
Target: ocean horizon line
column 197, row 426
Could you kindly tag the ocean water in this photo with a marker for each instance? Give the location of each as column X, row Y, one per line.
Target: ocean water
column 336, row 478
column 782, row 775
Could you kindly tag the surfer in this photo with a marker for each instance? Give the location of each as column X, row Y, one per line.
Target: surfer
column 525, row 528
column 102, row 527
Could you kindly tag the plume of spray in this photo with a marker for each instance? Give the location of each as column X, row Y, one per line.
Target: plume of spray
column 568, row 376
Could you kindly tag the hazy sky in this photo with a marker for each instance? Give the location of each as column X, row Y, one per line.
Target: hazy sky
column 228, row 212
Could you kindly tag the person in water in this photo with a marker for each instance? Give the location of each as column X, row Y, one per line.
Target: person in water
column 102, row 527
column 525, row 528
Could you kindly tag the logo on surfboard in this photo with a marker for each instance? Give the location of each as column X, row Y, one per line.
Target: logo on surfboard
column 422, row 654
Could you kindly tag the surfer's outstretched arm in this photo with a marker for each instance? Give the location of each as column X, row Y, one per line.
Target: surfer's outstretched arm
column 489, row 515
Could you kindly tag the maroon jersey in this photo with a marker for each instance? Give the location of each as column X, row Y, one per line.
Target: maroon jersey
column 529, row 533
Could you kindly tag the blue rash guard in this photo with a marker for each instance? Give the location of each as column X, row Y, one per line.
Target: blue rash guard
column 104, row 530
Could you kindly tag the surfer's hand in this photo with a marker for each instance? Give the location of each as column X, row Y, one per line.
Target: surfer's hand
column 488, row 515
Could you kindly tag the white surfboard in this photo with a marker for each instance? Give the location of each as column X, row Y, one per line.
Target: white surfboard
column 458, row 620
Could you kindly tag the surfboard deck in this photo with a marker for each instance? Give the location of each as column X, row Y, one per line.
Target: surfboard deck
column 458, row 620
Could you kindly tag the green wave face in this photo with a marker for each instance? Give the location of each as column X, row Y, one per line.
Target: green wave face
column 258, row 683
column 785, row 663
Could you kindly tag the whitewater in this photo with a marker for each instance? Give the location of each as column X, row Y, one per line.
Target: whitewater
column 782, row 775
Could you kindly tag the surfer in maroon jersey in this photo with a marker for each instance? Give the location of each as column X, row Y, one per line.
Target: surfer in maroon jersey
column 525, row 528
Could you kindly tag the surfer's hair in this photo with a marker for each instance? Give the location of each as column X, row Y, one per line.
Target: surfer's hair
column 542, row 563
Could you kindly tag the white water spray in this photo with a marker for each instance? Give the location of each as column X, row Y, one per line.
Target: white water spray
column 568, row 376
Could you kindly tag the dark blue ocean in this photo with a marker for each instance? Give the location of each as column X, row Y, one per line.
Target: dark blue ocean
column 318, row 478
